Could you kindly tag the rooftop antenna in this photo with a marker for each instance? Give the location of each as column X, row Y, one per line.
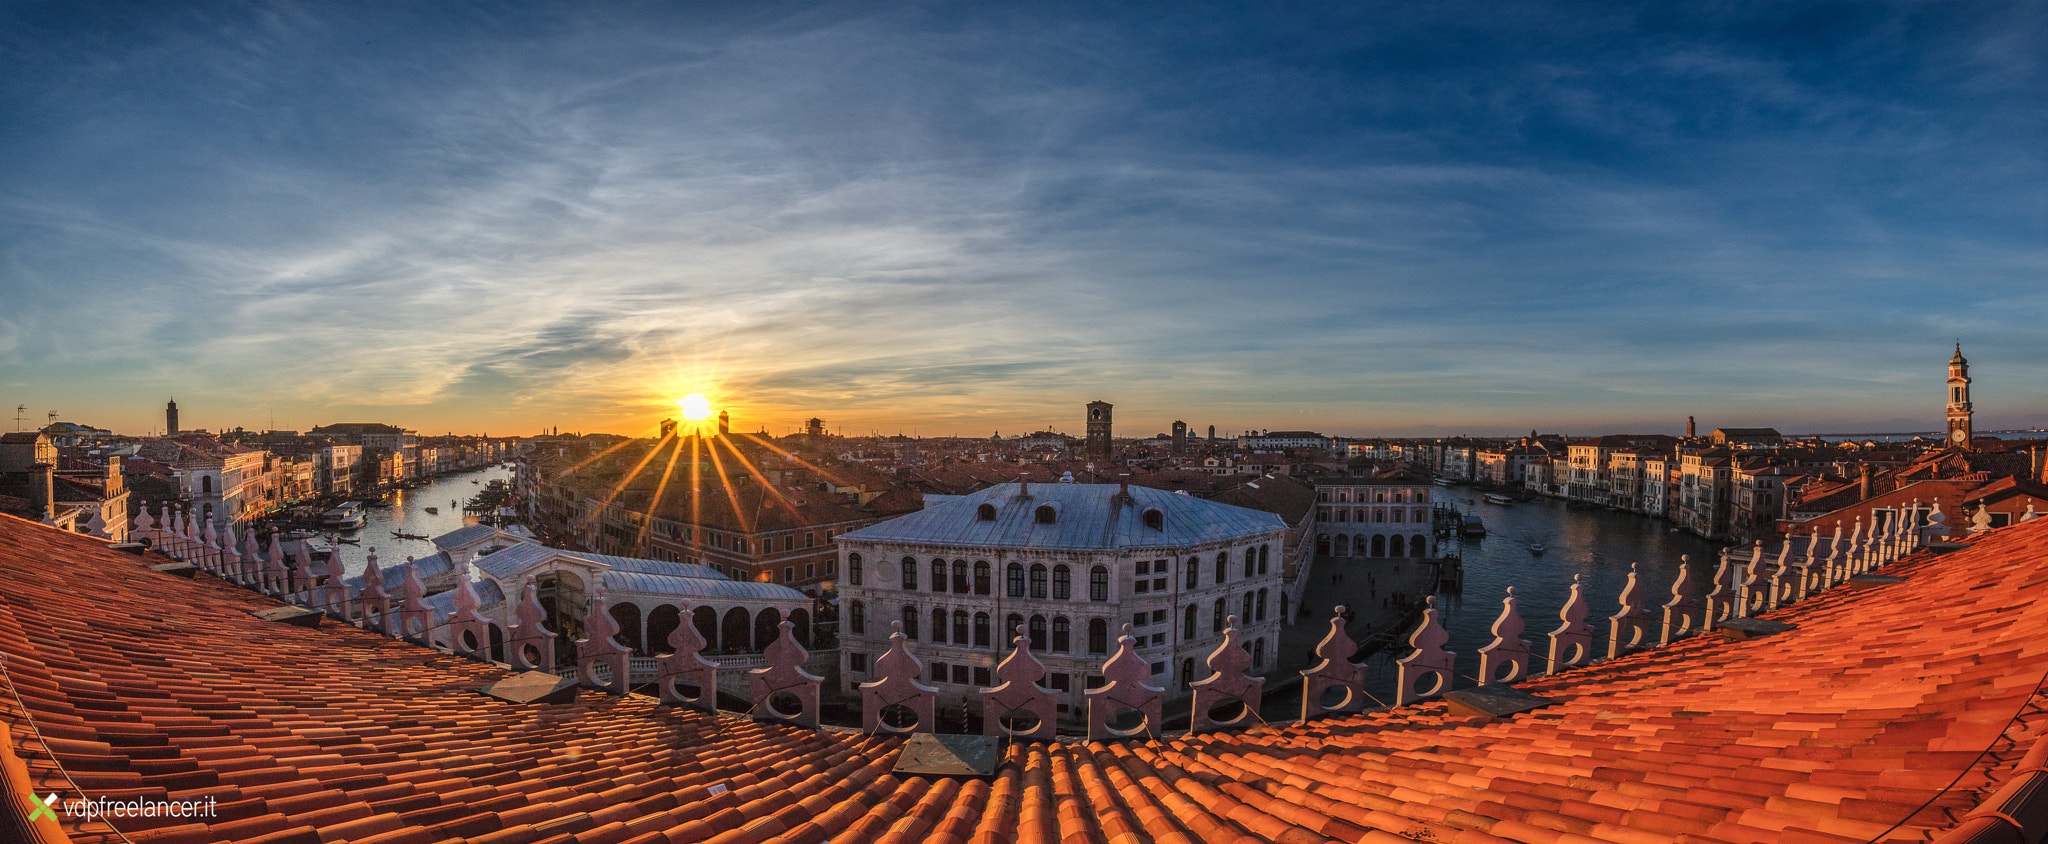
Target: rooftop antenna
column 20, row 415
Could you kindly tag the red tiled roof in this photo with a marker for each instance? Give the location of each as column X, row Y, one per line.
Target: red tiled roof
column 146, row 685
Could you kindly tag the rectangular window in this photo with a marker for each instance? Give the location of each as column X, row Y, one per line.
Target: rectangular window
column 810, row 540
column 1060, row 683
column 1138, row 620
column 960, row 674
column 1158, row 668
column 810, row 570
column 1141, row 587
column 1144, row 566
column 1158, row 639
column 1095, row 681
column 981, row 677
column 1159, row 585
column 938, row 672
column 788, row 541
column 788, row 573
column 856, row 661
column 1158, row 616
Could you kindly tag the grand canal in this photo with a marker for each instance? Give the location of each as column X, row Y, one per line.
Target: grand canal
column 408, row 514
column 1600, row 545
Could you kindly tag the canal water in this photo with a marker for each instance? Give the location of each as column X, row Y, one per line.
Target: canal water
column 1598, row 544
column 408, row 514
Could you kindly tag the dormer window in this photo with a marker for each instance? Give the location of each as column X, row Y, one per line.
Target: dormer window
column 986, row 512
column 1047, row 515
column 1155, row 519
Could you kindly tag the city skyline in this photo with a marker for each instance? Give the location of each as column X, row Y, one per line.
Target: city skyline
column 957, row 220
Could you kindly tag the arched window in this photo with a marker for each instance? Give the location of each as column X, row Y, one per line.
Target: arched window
column 910, row 623
column 1187, row 623
column 1222, row 567
column 1010, row 625
column 1038, row 637
column 960, row 582
column 1246, row 616
column 1216, row 617
column 1394, row 515
column 1193, row 576
column 939, row 626
column 981, row 630
column 205, row 484
column 1098, row 636
column 1379, row 498
column 1014, row 574
column 1062, row 582
column 986, row 512
column 1251, row 563
column 1187, row 672
column 853, row 569
column 960, row 627
column 1155, row 520
column 1098, row 584
column 938, row 575
column 981, row 577
column 1259, row 653
column 1397, row 546
column 1062, row 631
column 1261, row 607
column 1047, row 515
column 1262, row 558
column 857, row 617
column 909, row 574
column 1418, row 546
column 1037, row 580
column 1379, row 546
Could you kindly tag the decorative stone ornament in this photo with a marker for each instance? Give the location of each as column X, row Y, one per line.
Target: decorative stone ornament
column 231, row 558
column 415, row 618
column 300, row 578
column 468, row 632
column 334, row 586
column 209, row 547
column 1335, row 671
column 274, row 574
column 372, row 600
column 532, row 645
column 1720, row 603
column 1937, row 525
column 1835, row 564
column 600, row 647
column 1749, row 594
column 1784, row 579
column 1506, row 659
column 785, row 674
column 1019, row 692
column 2030, row 515
column 1124, row 690
column 1425, row 673
column 1227, row 681
column 685, row 664
column 1628, row 629
column 1682, row 615
column 1571, row 644
column 898, row 685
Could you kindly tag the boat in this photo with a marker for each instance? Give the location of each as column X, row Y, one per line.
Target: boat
column 1535, row 547
column 1445, row 482
column 349, row 516
column 1497, row 498
column 434, row 510
column 409, row 535
column 1474, row 526
column 343, row 540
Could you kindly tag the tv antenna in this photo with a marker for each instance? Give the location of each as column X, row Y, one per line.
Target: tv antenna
column 20, row 415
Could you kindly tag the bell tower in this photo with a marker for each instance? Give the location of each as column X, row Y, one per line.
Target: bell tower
column 1098, row 428
column 1959, row 433
column 171, row 419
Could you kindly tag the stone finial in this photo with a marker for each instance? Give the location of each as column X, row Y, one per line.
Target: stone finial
column 898, row 685
column 600, row 646
column 97, row 525
column 1226, row 682
column 173, row 544
column 1809, row 567
column 532, row 645
column 1506, row 659
column 144, row 525
column 334, row 590
column 785, row 674
column 209, row 547
column 1019, row 692
column 1836, row 564
column 1859, row 550
column 273, row 580
column 2030, row 515
column 1749, row 593
column 231, row 557
column 1785, row 579
column 1335, row 671
column 372, row 598
column 1720, row 602
column 1682, row 616
column 468, row 631
column 685, row 666
column 1425, row 673
column 300, row 577
column 1571, row 644
column 191, row 535
column 1979, row 522
column 1630, row 628
column 415, row 618
column 1124, row 689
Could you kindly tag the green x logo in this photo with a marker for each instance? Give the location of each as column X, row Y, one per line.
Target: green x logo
column 46, row 807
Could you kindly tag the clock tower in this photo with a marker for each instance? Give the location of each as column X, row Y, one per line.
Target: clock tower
column 1098, row 428
column 1959, row 433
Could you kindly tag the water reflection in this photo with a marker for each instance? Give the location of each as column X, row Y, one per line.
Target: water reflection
column 408, row 514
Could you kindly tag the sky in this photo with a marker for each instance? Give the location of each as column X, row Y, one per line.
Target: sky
column 1368, row 219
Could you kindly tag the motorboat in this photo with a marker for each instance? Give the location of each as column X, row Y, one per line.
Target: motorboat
column 1497, row 498
column 349, row 516
column 1535, row 547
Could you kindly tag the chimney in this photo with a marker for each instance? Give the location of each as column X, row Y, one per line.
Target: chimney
column 43, row 489
column 1863, row 481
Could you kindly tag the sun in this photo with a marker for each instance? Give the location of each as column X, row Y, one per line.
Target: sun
column 695, row 407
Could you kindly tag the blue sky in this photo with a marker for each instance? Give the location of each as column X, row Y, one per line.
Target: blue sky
column 1358, row 218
